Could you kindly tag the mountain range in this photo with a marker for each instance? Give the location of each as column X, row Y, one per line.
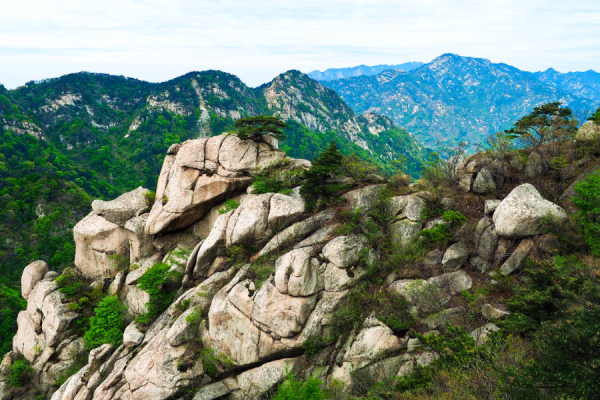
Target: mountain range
column 456, row 98
column 340, row 73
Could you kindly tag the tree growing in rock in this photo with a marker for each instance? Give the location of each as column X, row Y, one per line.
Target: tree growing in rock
column 548, row 123
column 255, row 127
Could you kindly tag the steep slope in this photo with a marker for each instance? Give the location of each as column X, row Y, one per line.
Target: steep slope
column 340, row 73
column 453, row 98
column 582, row 84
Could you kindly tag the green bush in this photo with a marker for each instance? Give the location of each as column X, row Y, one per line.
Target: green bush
column 439, row 233
column 277, row 178
column 587, row 200
column 106, row 326
column 230, row 204
column 596, row 116
column 292, row 389
column 20, row 372
column 150, row 198
column 326, row 165
column 160, row 284
column 69, row 283
column 454, row 217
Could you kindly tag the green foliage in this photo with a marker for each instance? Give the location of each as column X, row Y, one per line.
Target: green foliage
column 454, row 217
column 150, row 197
column 277, row 179
column 11, row 303
column 160, row 284
column 596, row 116
column 547, row 123
column 327, row 165
column 313, row 345
column 69, row 283
column 293, row 389
column 439, row 233
column 254, row 127
column 212, row 361
column 587, row 200
column 106, row 326
column 357, row 168
column 195, row 317
column 230, row 204
column 21, row 371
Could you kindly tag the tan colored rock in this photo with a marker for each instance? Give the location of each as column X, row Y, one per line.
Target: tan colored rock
column 213, row 246
column 491, row 205
column 32, row 274
column 123, row 208
column 26, row 341
column 491, row 312
column 135, row 300
column 372, row 342
column 455, row 256
column 520, row 213
column 282, row 314
column 481, row 334
column 261, row 380
column 588, row 131
column 321, row 236
column 184, row 329
column 202, row 228
column 344, row 251
column 96, row 239
column 140, row 243
column 297, row 274
column 297, row 231
column 337, row 279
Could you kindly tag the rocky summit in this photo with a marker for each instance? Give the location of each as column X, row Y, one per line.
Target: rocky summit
column 225, row 289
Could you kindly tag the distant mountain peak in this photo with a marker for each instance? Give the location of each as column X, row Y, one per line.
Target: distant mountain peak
column 361, row 70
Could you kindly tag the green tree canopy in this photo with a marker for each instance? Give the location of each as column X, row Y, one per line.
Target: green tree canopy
column 254, row 127
column 545, row 124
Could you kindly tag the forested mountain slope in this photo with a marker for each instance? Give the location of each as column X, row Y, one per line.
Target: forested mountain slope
column 453, row 98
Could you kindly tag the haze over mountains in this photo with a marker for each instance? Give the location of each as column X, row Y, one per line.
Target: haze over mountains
column 340, row 73
column 456, row 98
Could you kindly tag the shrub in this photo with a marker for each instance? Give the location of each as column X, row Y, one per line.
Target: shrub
column 292, row 389
column 454, row 217
column 160, row 284
column 230, row 204
column 441, row 165
column 150, row 198
column 257, row 126
column 69, row 283
column 277, row 179
column 587, row 200
column 596, row 116
column 439, row 233
column 357, row 168
column 106, row 326
column 20, row 372
column 326, row 165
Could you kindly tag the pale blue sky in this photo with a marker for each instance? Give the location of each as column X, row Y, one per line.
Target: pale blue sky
column 256, row 40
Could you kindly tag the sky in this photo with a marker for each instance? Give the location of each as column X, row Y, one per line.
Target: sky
column 259, row 39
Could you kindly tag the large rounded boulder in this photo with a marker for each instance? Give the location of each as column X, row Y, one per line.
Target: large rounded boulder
column 521, row 213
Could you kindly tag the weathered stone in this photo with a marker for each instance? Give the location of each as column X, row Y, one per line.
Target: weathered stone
column 455, row 256
column 32, row 274
column 51, row 275
column 337, row 279
column 297, row 231
column 404, row 232
column 123, row 208
column 453, row 315
column 140, row 243
column 213, row 246
column 484, row 182
column 297, row 274
column 132, row 335
column 96, row 240
column 26, row 341
column 516, row 259
column 492, row 313
column 184, row 329
column 588, row 131
column 282, row 314
column 481, row 334
column 520, row 213
column 534, row 165
column 433, row 257
column 343, row 251
column 211, row 392
column 372, row 342
column 258, row 381
column 319, row 237
column 488, row 240
column 135, row 300
column 465, row 182
column 364, row 198
column 490, row 206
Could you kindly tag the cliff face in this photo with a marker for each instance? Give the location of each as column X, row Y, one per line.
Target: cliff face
column 232, row 329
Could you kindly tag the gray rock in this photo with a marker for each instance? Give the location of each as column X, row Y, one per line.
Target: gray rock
column 132, row 335
column 534, row 165
column 520, row 213
column 484, row 182
column 123, row 208
column 455, row 256
column 491, row 312
column 364, row 198
column 297, row 274
column 465, row 182
column 404, row 232
column 516, row 259
column 212, row 391
column 51, row 275
column 481, row 334
column 490, row 206
column 453, row 315
column 588, row 131
column 433, row 257
column 344, row 251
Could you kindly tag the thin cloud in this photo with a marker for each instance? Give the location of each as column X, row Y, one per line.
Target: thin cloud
column 256, row 40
